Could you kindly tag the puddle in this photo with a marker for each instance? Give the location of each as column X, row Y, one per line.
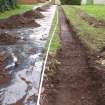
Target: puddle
column 25, row 63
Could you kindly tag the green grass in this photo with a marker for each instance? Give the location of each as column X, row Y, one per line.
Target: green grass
column 21, row 9
column 97, row 11
column 89, row 2
column 94, row 38
column 56, row 41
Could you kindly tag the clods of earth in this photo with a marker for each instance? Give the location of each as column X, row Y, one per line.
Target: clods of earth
column 22, row 43
column 26, row 19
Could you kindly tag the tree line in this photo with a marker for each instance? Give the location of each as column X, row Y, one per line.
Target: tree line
column 7, row 4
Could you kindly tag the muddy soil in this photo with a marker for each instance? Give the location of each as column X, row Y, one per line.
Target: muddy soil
column 43, row 8
column 17, row 21
column 4, row 75
column 10, row 39
column 24, row 20
column 69, row 79
column 23, row 61
column 92, row 20
column 34, row 14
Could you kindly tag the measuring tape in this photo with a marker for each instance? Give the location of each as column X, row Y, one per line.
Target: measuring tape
column 45, row 61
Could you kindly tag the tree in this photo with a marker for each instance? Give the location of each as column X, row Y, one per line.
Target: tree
column 7, row 4
column 12, row 3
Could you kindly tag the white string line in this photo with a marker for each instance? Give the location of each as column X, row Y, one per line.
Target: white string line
column 45, row 61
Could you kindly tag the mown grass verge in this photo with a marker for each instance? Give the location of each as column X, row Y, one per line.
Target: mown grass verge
column 19, row 10
column 97, row 11
column 56, row 40
column 93, row 37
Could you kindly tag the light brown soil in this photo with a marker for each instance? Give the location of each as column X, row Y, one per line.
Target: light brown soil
column 34, row 14
column 72, row 81
column 17, row 21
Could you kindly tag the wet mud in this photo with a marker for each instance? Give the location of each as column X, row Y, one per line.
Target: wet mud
column 69, row 77
column 21, row 59
column 4, row 76
column 10, row 39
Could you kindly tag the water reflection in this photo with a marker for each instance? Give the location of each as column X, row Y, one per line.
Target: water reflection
column 24, row 63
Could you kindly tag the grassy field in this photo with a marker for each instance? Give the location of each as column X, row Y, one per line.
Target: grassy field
column 93, row 37
column 20, row 9
column 56, row 41
column 97, row 11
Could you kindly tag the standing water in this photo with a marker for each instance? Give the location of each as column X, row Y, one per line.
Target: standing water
column 26, row 62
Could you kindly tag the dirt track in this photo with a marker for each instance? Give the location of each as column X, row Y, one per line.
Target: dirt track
column 74, row 83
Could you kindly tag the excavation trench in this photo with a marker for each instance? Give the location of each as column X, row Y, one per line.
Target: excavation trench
column 21, row 60
column 71, row 81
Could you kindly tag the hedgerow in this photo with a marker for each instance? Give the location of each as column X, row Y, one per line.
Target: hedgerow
column 7, row 4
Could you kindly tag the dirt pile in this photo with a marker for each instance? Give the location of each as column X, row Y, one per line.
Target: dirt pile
column 17, row 21
column 34, row 14
column 43, row 8
column 6, row 39
column 4, row 76
column 92, row 20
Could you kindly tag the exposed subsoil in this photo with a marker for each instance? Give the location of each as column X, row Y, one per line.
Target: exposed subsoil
column 92, row 20
column 69, row 79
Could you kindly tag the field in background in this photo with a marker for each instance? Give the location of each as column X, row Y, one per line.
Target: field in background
column 97, row 11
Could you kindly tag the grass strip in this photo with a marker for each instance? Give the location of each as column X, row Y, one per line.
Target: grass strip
column 93, row 37
column 56, row 40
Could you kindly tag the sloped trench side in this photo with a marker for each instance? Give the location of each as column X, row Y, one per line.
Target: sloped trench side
column 73, row 82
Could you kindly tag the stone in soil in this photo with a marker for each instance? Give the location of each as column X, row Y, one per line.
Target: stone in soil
column 17, row 21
